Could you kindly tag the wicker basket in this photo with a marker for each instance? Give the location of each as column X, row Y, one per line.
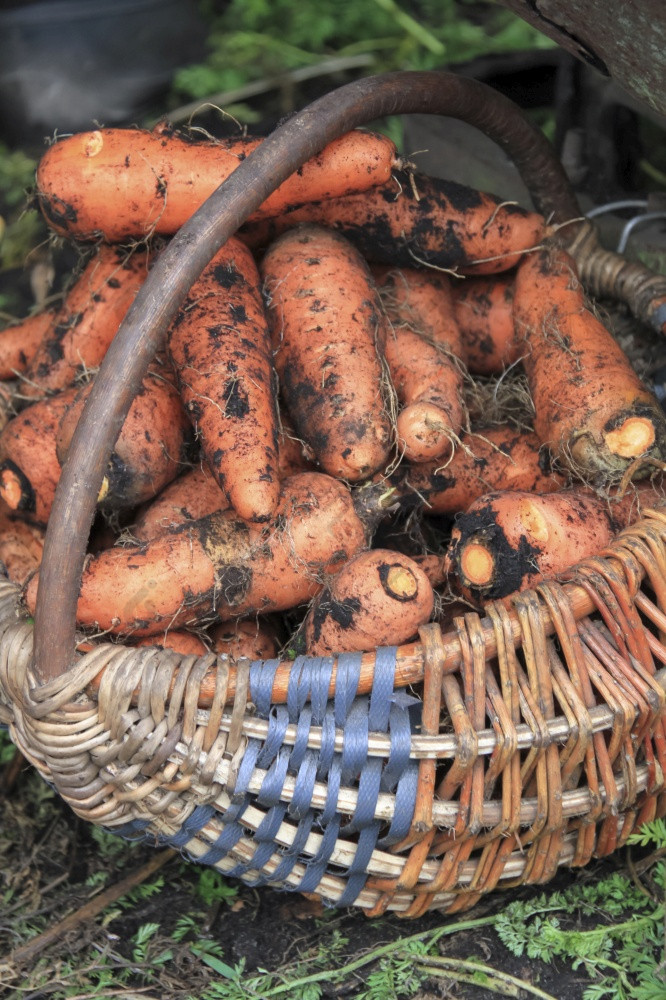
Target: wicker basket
column 400, row 780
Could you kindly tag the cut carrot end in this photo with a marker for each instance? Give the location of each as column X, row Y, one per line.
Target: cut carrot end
column 401, row 583
column 11, row 490
column 632, row 438
column 477, row 564
column 103, row 490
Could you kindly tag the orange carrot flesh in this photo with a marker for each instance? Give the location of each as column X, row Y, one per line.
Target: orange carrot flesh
column 29, row 467
column 152, row 448
column 245, row 638
column 590, row 406
column 220, row 346
column 484, row 312
column 19, row 343
column 447, row 225
column 185, row 643
column 421, row 351
column 84, row 326
column 491, row 459
column 126, row 183
column 328, row 333
column 220, row 567
column 379, row 598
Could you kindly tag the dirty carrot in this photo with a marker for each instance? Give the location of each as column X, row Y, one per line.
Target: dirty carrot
column 591, row 408
column 442, row 225
column 422, row 350
column 221, row 567
column 153, row 446
column 220, row 346
column 21, row 546
column 484, row 312
column 18, row 343
column 29, row 467
column 86, row 323
column 379, row 598
column 188, row 498
column 125, row 183
column 507, row 541
column 328, row 332
column 251, row 639
column 491, row 458
column 185, row 643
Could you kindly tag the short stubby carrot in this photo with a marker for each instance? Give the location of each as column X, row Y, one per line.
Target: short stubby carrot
column 591, row 408
column 252, row 639
column 83, row 327
column 193, row 495
column 379, row 598
column 490, row 458
column 484, row 312
column 328, row 331
column 422, row 351
column 221, row 567
column 436, row 223
column 19, row 342
column 154, row 444
column 185, row 643
column 220, row 346
column 509, row 540
column 21, row 546
column 29, row 467
column 126, row 183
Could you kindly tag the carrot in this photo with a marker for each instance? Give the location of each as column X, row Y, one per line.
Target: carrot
column 21, row 546
column 591, row 408
column 188, row 498
column 126, row 183
column 85, row 324
column 294, row 455
column 29, row 467
column 493, row 458
column 379, row 598
column 153, row 445
column 245, row 638
column 180, row 642
column 221, row 349
column 221, row 567
column 507, row 541
column 447, row 226
column 18, row 343
column 328, row 333
column 484, row 312
column 422, row 348
column 436, row 568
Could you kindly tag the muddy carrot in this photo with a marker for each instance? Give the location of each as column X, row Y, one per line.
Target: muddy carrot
column 190, row 497
column 185, row 643
column 328, row 334
column 18, row 343
column 591, row 408
column 86, row 323
column 221, row 567
column 422, row 350
column 379, row 598
column 29, row 467
column 153, row 446
column 443, row 225
column 21, row 546
column 220, row 346
column 484, row 312
column 245, row 638
column 125, row 183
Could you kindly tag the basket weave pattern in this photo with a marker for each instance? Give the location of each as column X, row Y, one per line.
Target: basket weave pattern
column 540, row 744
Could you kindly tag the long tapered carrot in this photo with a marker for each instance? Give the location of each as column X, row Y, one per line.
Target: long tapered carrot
column 220, row 345
column 422, row 351
column 590, row 406
column 379, row 598
column 29, row 467
column 484, row 312
column 193, row 495
column 221, row 567
column 125, row 183
column 434, row 222
column 18, row 343
column 154, row 444
column 328, row 334
column 84, row 326
column 491, row 458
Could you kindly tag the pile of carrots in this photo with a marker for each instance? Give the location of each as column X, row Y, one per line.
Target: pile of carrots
column 307, row 466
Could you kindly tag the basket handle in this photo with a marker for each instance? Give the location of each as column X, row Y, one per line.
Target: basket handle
column 144, row 328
